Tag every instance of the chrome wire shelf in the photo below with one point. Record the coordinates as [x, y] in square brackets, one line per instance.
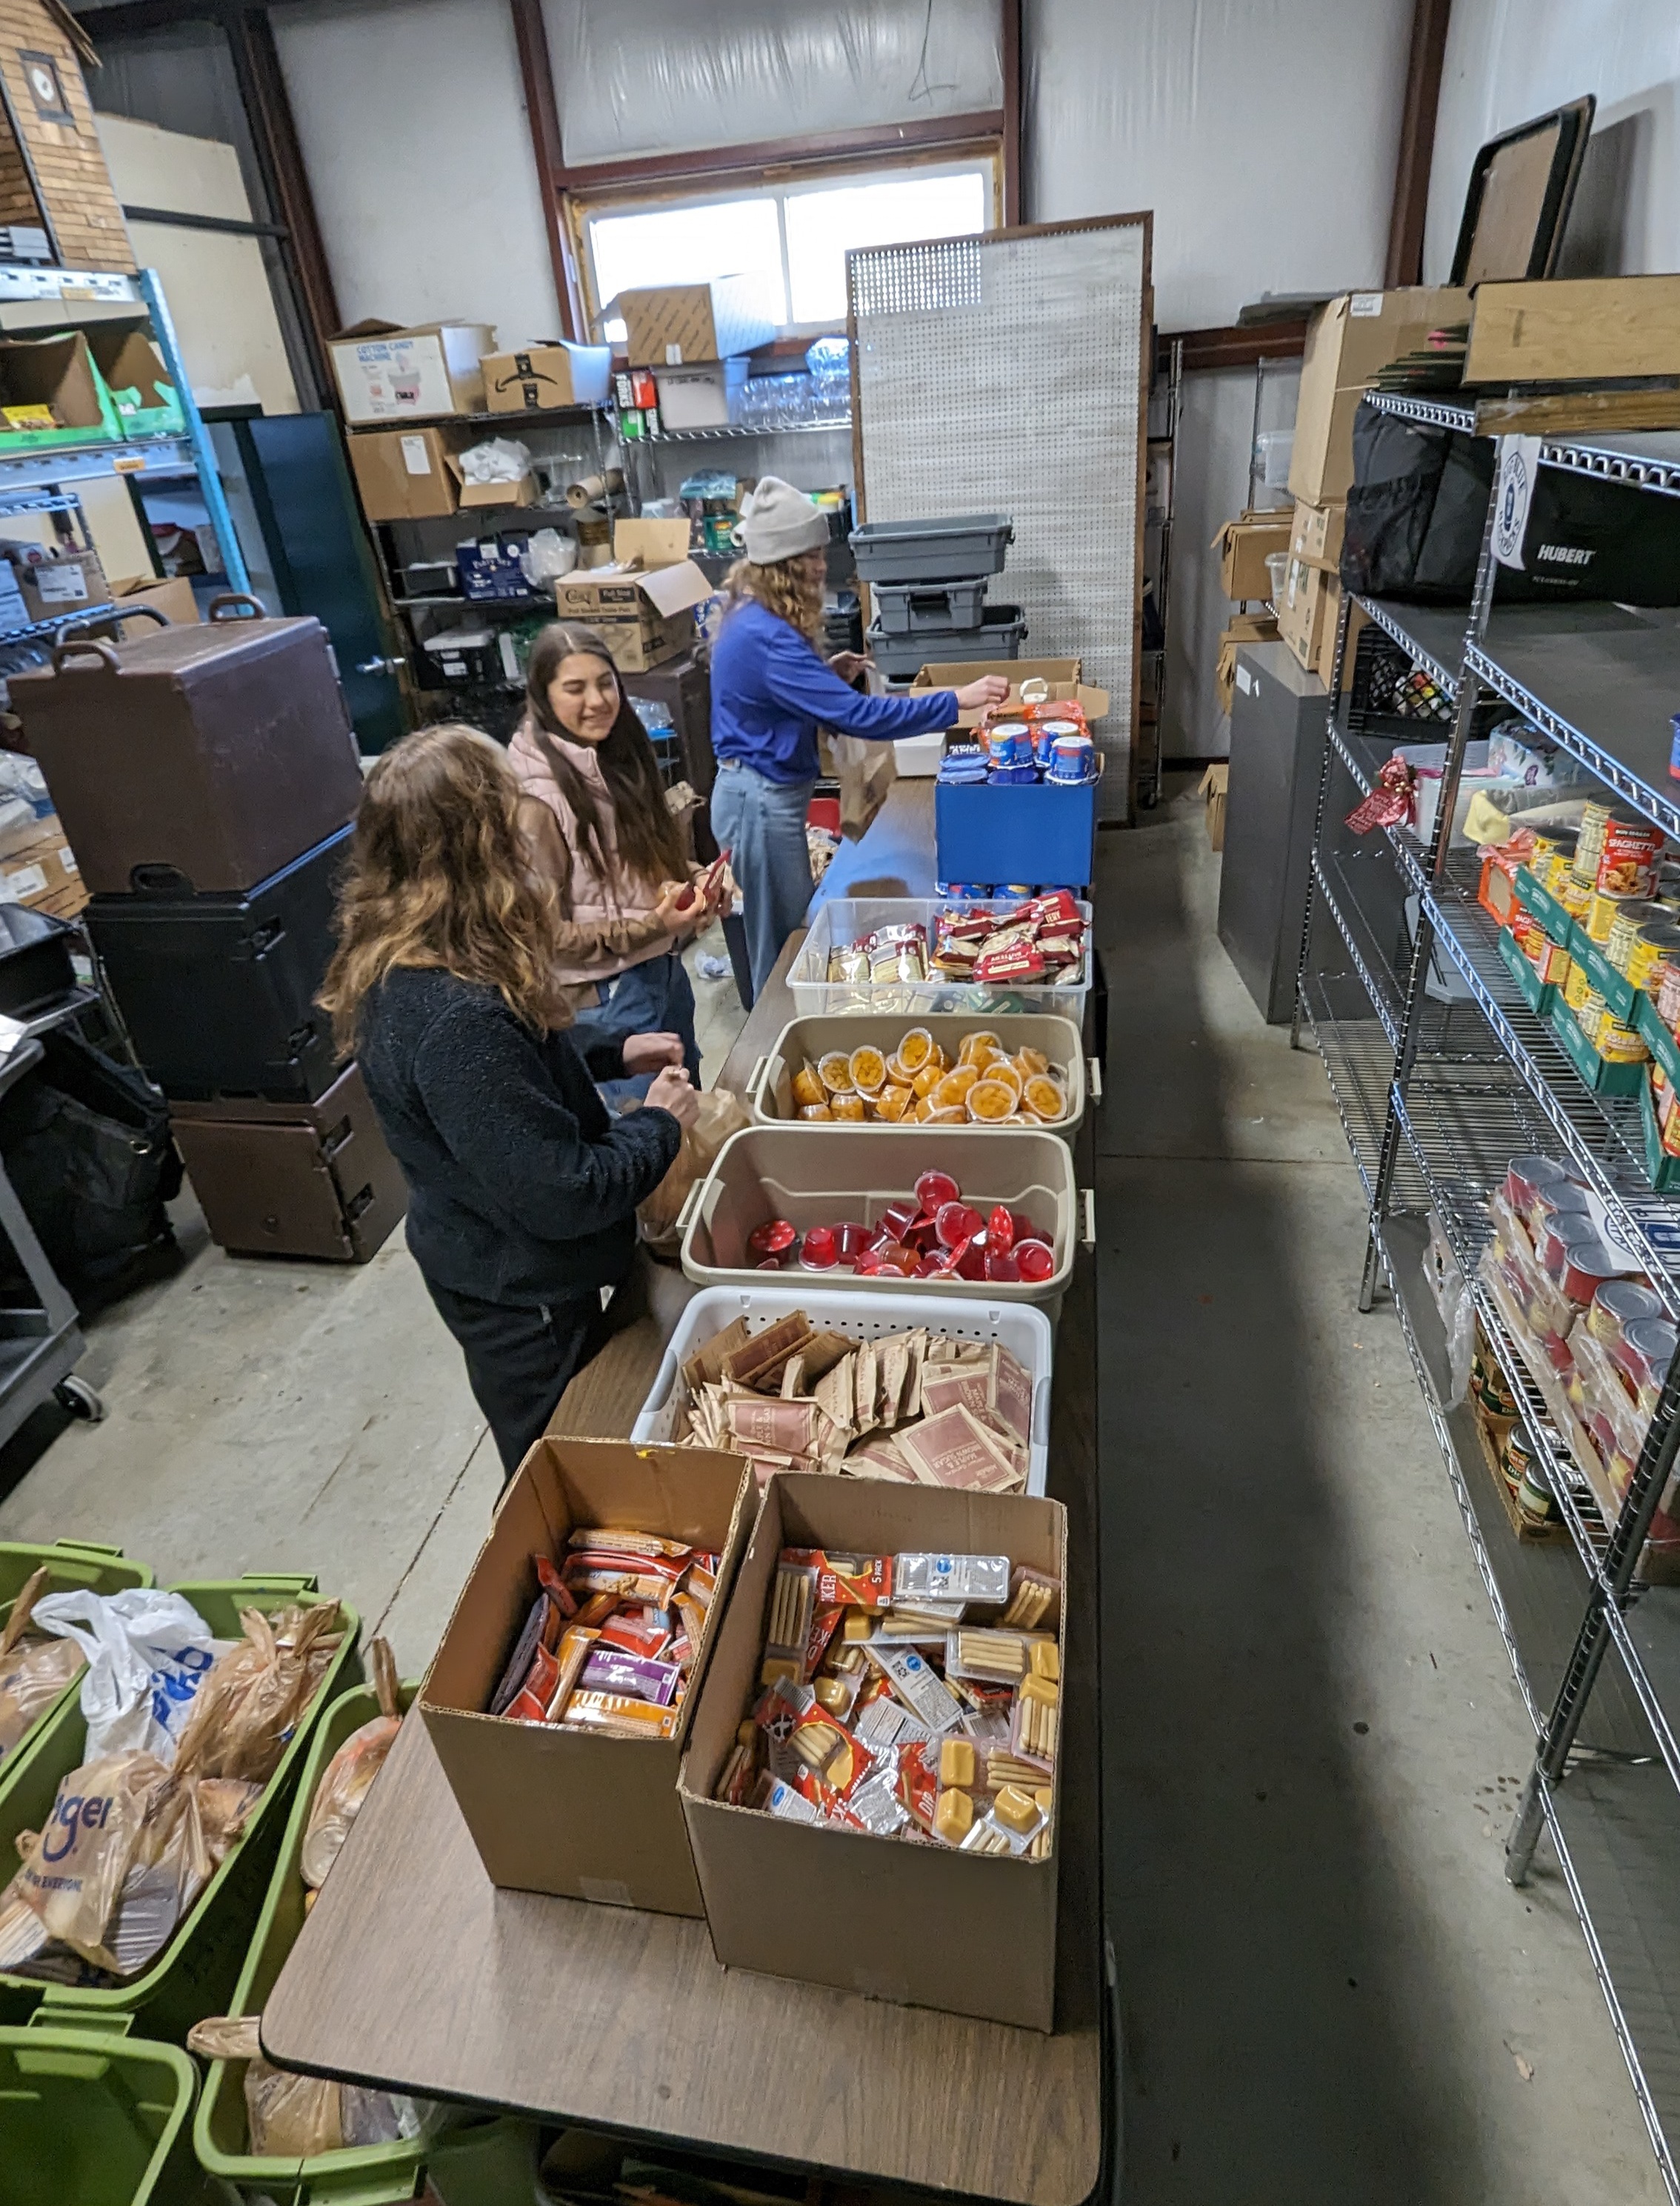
[841, 426]
[1431, 413]
[1643, 462]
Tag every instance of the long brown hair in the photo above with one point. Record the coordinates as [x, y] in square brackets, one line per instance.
[649, 845]
[439, 877]
[786, 587]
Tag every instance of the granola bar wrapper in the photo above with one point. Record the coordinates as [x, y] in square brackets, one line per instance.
[954, 1448]
[769, 1425]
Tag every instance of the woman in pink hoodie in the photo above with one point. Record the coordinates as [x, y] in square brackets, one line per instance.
[593, 809]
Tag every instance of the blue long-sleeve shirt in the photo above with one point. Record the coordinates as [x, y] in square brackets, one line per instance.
[772, 690]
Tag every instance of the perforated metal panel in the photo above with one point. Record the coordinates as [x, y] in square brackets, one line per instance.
[1005, 375]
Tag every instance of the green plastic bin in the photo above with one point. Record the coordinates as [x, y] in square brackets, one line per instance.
[196, 1973]
[75, 1564]
[220, 2137]
[91, 2117]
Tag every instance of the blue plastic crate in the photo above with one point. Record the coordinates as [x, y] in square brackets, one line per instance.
[1039, 832]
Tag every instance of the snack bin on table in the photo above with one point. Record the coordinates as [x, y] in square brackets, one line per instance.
[842, 920]
[369, 2175]
[1025, 1333]
[804, 1040]
[195, 1973]
[920, 1925]
[76, 1566]
[91, 2117]
[823, 1175]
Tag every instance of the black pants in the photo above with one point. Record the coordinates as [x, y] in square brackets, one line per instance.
[521, 1361]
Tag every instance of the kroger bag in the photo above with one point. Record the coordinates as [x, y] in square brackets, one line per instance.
[74, 1875]
[34, 1671]
[147, 1654]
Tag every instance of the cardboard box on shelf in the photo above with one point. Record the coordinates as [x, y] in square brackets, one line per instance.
[1580, 329]
[677, 324]
[39, 869]
[1214, 788]
[643, 602]
[1317, 533]
[523, 492]
[174, 599]
[136, 381]
[542, 376]
[63, 584]
[388, 373]
[1243, 545]
[51, 393]
[1062, 674]
[404, 474]
[1308, 605]
[565, 1811]
[1243, 628]
[921, 1925]
[1347, 343]
[706, 396]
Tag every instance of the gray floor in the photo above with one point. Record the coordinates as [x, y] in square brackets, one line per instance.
[1329, 1992]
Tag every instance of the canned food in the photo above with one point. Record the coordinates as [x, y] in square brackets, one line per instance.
[1533, 1499]
[1589, 842]
[1619, 1044]
[1586, 1264]
[1601, 910]
[1525, 1177]
[1658, 942]
[1668, 993]
[1516, 1460]
[1618, 1304]
[1576, 987]
[1634, 913]
[1550, 842]
[1592, 1015]
[1575, 896]
[1630, 857]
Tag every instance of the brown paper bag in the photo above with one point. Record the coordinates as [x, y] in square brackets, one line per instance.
[721, 1114]
[865, 771]
[34, 1670]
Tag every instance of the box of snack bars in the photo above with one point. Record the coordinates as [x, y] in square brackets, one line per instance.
[871, 1779]
[561, 1697]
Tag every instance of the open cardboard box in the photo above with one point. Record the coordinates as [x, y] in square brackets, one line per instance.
[386, 373]
[922, 1925]
[643, 602]
[1063, 676]
[569, 1812]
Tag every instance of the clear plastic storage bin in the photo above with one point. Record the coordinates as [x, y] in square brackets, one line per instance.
[842, 920]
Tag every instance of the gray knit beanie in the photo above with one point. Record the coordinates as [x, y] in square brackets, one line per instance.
[778, 523]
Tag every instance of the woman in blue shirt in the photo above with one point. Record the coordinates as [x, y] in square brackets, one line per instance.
[771, 690]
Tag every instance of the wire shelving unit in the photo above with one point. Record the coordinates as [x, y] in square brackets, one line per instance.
[1435, 1100]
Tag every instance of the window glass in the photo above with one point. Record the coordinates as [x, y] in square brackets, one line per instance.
[824, 225]
[690, 245]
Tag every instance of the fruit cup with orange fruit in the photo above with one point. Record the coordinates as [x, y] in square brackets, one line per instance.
[917, 1086]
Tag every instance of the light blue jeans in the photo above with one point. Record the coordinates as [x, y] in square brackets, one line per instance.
[762, 824]
[656, 997]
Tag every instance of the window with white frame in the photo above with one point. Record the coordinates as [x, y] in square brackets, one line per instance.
[794, 234]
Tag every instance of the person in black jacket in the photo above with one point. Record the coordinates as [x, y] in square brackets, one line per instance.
[522, 1188]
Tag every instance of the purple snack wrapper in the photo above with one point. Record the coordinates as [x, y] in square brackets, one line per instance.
[614, 1670]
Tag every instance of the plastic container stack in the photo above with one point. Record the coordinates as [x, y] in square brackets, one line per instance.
[928, 580]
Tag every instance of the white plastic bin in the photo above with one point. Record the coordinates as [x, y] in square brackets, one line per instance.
[825, 1175]
[1023, 1331]
[842, 920]
[802, 1041]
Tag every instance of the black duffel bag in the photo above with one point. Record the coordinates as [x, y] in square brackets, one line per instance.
[1419, 504]
[87, 1146]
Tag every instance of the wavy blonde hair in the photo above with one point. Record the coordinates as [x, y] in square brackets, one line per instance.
[787, 587]
[439, 877]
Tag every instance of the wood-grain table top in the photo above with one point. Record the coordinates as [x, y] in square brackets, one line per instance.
[414, 1971]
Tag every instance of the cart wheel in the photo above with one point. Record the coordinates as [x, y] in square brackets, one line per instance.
[78, 1398]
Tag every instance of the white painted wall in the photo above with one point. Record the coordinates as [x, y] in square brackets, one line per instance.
[1263, 134]
[1508, 60]
[411, 117]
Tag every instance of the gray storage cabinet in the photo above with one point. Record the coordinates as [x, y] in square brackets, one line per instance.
[1276, 745]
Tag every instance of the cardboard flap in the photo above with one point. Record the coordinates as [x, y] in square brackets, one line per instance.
[372, 327]
[676, 589]
[652, 543]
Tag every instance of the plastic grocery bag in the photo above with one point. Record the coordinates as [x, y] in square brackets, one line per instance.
[34, 1671]
[721, 1114]
[147, 1652]
[296, 2116]
[253, 1697]
[348, 1777]
[74, 1875]
[170, 1866]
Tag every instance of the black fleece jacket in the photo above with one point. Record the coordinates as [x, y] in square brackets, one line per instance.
[522, 1190]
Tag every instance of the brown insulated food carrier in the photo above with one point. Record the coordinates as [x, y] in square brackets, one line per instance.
[203, 757]
[285, 1179]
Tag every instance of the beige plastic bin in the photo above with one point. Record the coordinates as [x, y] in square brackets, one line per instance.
[769, 1090]
[825, 1175]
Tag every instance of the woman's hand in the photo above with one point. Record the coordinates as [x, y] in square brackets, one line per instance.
[672, 1092]
[677, 918]
[849, 665]
[990, 689]
[649, 1053]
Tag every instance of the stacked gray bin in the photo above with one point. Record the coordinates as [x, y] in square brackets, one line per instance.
[928, 580]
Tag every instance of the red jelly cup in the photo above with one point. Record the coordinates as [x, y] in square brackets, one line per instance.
[934, 1189]
[928, 1266]
[1035, 1260]
[971, 1264]
[897, 1220]
[1003, 1268]
[853, 1238]
[820, 1251]
[1000, 1232]
[772, 1238]
[1024, 1228]
[956, 1223]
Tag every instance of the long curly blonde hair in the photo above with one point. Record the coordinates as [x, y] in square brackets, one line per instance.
[790, 588]
[440, 876]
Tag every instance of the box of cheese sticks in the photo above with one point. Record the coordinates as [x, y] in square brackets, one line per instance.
[871, 1784]
[562, 1696]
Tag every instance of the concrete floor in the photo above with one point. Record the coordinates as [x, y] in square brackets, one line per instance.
[1329, 1993]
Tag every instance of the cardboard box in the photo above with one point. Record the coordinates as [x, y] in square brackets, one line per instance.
[569, 1812]
[1586, 331]
[1062, 674]
[704, 397]
[521, 492]
[1308, 605]
[404, 474]
[1243, 628]
[64, 584]
[41, 870]
[174, 599]
[921, 1925]
[1347, 342]
[546, 375]
[136, 381]
[679, 323]
[386, 373]
[1243, 545]
[58, 373]
[643, 602]
[1316, 534]
[1215, 787]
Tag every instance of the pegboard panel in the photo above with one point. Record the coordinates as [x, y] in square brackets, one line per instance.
[1006, 374]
